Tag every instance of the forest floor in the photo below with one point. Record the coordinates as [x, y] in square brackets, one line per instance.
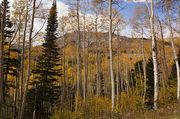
[169, 111]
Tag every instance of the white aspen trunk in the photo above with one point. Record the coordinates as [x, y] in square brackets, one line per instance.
[22, 57]
[78, 59]
[97, 58]
[175, 56]
[84, 61]
[21, 116]
[154, 54]
[111, 56]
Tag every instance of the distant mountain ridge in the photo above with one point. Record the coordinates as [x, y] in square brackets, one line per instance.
[72, 37]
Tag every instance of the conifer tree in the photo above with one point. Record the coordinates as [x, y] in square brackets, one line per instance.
[150, 83]
[45, 91]
[10, 63]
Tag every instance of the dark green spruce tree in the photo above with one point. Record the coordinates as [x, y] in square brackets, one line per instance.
[11, 62]
[150, 84]
[150, 81]
[45, 89]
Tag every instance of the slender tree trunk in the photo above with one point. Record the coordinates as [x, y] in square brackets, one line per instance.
[163, 48]
[23, 55]
[144, 66]
[17, 82]
[118, 70]
[64, 97]
[74, 87]
[87, 65]
[16, 104]
[78, 59]
[111, 56]
[154, 55]
[127, 80]
[97, 58]
[84, 61]
[29, 63]
[164, 61]
[175, 56]
[117, 77]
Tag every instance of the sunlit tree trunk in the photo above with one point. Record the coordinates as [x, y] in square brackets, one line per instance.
[16, 106]
[78, 58]
[111, 57]
[23, 54]
[175, 55]
[154, 54]
[84, 60]
[21, 116]
[17, 83]
[97, 56]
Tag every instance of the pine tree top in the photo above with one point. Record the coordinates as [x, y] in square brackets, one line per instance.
[52, 24]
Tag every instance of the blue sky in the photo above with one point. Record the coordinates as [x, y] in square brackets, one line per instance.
[129, 9]
[127, 12]
[62, 7]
